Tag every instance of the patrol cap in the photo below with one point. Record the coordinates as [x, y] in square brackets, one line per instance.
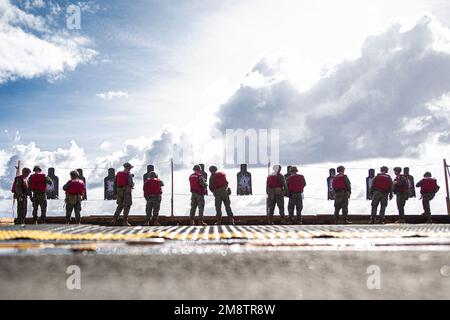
[74, 174]
[384, 169]
[397, 169]
[427, 174]
[127, 165]
[197, 168]
[37, 168]
[340, 168]
[212, 168]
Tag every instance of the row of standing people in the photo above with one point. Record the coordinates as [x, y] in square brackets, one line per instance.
[277, 188]
[382, 190]
[152, 189]
[34, 186]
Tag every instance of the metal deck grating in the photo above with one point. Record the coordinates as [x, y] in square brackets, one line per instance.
[218, 233]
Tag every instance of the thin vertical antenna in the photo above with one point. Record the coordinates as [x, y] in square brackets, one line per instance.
[446, 174]
[171, 200]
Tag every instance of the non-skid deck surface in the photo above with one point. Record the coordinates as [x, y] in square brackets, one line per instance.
[55, 232]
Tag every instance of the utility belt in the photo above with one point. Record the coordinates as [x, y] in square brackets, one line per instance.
[273, 192]
[73, 199]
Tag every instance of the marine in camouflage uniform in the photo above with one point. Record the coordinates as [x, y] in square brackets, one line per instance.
[295, 198]
[73, 200]
[400, 188]
[380, 191]
[427, 194]
[39, 197]
[412, 190]
[198, 190]
[124, 195]
[276, 189]
[21, 193]
[221, 195]
[153, 204]
[342, 190]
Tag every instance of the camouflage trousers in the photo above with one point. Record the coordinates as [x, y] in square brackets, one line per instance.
[73, 207]
[381, 198]
[39, 199]
[221, 196]
[22, 205]
[402, 197]
[426, 198]
[152, 207]
[197, 200]
[275, 200]
[124, 202]
[295, 202]
[341, 202]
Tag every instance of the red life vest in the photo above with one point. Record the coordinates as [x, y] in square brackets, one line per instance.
[24, 184]
[274, 182]
[37, 182]
[152, 187]
[194, 181]
[405, 187]
[75, 186]
[220, 180]
[296, 183]
[382, 182]
[339, 182]
[429, 185]
[122, 178]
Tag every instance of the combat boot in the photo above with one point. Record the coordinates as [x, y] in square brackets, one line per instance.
[383, 220]
[232, 222]
[147, 222]
[400, 221]
[77, 221]
[155, 222]
[336, 219]
[192, 222]
[299, 220]
[113, 222]
[35, 220]
[202, 223]
[219, 222]
[67, 221]
[347, 221]
[429, 220]
[43, 220]
[372, 220]
[126, 223]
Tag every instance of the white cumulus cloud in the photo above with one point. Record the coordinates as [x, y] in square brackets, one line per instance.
[377, 105]
[109, 95]
[29, 48]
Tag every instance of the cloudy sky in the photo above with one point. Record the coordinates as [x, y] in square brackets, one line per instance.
[364, 83]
